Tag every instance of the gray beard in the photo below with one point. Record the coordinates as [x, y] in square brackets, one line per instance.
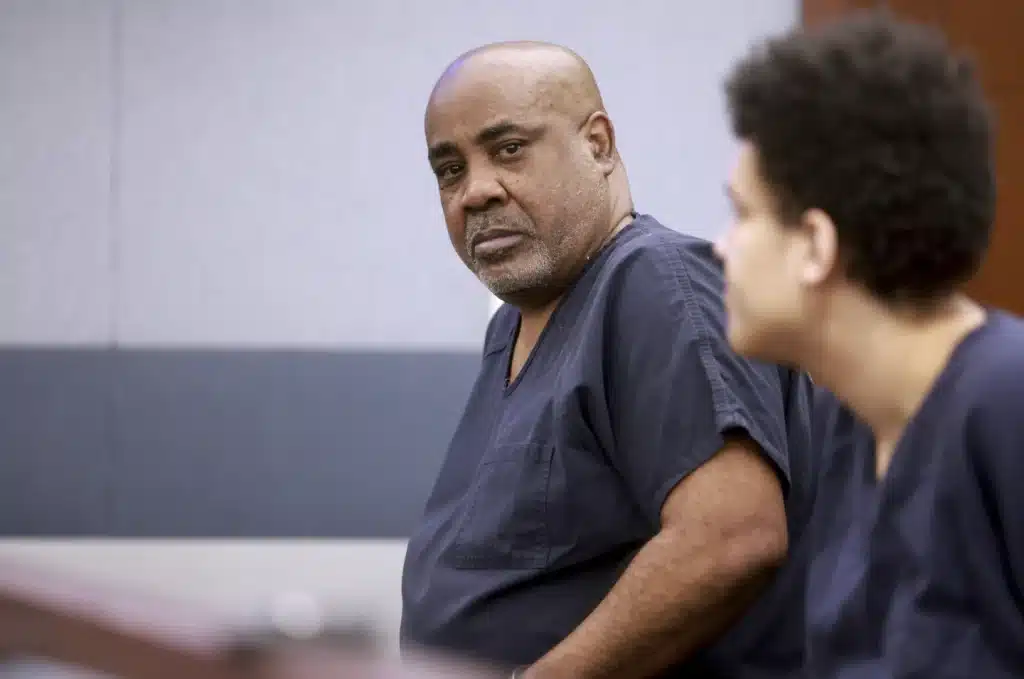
[539, 274]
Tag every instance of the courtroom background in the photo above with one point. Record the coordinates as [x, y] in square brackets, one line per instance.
[232, 327]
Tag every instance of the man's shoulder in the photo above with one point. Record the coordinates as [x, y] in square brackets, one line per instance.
[651, 247]
[975, 410]
[658, 269]
[979, 418]
[1001, 348]
[990, 367]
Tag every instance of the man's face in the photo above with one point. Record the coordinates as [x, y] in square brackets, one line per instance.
[521, 192]
[765, 299]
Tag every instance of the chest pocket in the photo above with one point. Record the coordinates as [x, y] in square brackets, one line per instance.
[504, 521]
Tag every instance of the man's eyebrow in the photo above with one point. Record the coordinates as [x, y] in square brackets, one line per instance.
[443, 149]
[488, 135]
[494, 132]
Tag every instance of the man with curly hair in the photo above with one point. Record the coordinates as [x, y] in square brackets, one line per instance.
[864, 197]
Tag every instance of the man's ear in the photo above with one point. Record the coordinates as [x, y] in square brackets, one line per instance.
[822, 254]
[600, 135]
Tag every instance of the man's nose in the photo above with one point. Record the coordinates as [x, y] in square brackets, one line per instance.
[482, 190]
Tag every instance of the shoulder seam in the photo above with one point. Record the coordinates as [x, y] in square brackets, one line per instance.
[695, 316]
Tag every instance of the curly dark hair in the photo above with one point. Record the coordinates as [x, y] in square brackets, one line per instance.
[878, 123]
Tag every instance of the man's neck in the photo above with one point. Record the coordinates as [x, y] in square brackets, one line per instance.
[883, 363]
[532, 322]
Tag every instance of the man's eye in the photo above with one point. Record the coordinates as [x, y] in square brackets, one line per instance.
[512, 148]
[448, 171]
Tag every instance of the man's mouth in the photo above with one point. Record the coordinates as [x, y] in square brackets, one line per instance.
[496, 242]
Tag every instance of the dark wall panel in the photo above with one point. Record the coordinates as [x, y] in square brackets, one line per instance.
[223, 443]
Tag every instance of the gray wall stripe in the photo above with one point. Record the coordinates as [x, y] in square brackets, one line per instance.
[223, 443]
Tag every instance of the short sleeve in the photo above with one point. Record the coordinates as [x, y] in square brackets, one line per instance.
[676, 387]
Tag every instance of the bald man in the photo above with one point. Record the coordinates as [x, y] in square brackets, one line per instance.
[621, 487]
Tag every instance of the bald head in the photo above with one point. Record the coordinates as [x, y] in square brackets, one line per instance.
[550, 77]
[525, 160]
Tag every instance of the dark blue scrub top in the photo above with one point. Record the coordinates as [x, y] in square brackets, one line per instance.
[553, 482]
[921, 574]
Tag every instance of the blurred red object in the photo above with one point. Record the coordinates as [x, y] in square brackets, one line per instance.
[49, 617]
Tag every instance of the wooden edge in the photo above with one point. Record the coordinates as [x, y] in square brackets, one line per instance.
[54, 617]
[129, 635]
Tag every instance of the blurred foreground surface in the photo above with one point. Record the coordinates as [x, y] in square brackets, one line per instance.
[53, 626]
